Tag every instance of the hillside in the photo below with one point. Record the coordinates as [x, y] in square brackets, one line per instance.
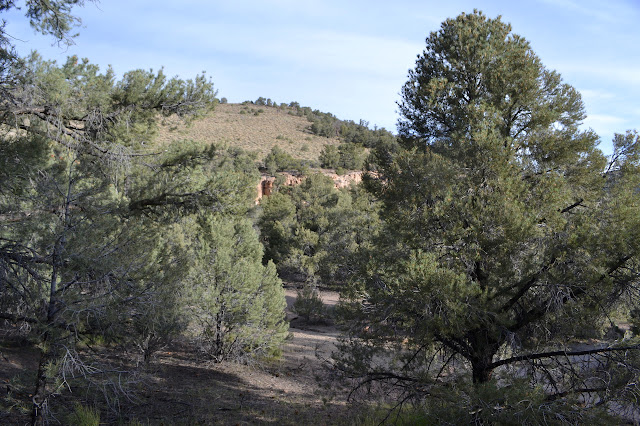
[253, 128]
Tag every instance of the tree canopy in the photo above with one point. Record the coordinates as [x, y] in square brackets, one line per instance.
[102, 232]
[507, 232]
[313, 231]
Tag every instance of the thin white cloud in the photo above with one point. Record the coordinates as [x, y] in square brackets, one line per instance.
[609, 11]
[344, 51]
[606, 126]
[593, 95]
[352, 57]
[611, 72]
[324, 49]
[600, 120]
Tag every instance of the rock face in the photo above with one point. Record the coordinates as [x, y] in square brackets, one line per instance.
[265, 187]
[291, 180]
[342, 181]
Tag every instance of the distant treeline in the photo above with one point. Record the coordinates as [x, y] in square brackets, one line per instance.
[328, 125]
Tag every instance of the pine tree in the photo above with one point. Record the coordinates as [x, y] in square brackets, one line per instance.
[94, 242]
[237, 302]
[77, 243]
[505, 236]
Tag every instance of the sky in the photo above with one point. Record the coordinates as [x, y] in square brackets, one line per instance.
[350, 57]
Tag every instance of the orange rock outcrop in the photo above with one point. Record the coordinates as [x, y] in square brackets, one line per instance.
[265, 187]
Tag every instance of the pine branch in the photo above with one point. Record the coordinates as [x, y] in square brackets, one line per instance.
[552, 354]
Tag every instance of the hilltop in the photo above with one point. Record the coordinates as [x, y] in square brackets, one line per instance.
[256, 128]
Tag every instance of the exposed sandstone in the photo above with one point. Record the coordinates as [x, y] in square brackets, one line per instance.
[265, 187]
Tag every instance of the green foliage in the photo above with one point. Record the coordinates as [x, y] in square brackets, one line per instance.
[309, 305]
[360, 134]
[277, 219]
[504, 232]
[237, 302]
[352, 156]
[53, 18]
[349, 132]
[325, 125]
[315, 229]
[98, 235]
[261, 101]
[123, 113]
[191, 177]
[347, 156]
[330, 157]
[279, 160]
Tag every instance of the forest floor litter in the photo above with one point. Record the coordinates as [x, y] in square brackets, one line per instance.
[181, 388]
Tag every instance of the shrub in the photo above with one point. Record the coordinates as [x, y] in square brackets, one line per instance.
[308, 304]
[237, 302]
[352, 156]
[347, 156]
[279, 160]
[329, 157]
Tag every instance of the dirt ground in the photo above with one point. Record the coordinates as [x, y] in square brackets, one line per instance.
[281, 392]
[180, 389]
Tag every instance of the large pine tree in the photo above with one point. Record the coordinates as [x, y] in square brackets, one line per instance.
[507, 235]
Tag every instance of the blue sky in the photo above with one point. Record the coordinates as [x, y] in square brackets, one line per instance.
[351, 57]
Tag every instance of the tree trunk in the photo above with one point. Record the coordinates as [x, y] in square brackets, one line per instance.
[481, 370]
[219, 343]
[484, 349]
[40, 397]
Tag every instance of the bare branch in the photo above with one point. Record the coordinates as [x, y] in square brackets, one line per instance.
[530, 357]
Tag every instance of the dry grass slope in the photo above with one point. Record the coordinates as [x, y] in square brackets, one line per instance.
[252, 128]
